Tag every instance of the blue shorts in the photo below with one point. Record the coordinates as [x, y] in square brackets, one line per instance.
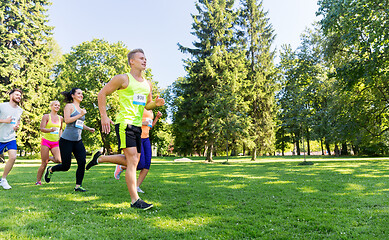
[145, 155]
[7, 146]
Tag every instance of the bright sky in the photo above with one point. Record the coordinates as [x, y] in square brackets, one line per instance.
[157, 26]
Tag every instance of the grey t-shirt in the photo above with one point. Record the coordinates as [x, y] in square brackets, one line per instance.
[7, 132]
[73, 130]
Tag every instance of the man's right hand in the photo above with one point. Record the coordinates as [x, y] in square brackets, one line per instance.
[106, 124]
[8, 120]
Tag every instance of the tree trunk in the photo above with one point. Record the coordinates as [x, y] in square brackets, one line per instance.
[344, 150]
[328, 147]
[298, 148]
[209, 152]
[336, 150]
[308, 144]
[321, 145]
[254, 154]
[244, 149]
[355, 149]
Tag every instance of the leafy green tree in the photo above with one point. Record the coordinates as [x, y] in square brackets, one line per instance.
[209, 104]
[358, 46]
[26, 61]
[89, 66]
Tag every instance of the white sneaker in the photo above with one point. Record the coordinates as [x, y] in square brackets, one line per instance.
[139, 190]
[4, 184]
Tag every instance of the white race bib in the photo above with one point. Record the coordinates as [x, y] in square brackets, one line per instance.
[149, 122]
[79, 124]
[55, 132]
[139, 99]
[13, 121]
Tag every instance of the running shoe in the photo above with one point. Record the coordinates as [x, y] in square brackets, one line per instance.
[118, 171]
[5, 185]
[80, 189]
[48, 174]
[139, 190]
[140, 204]
[94, 160]
[38, 183]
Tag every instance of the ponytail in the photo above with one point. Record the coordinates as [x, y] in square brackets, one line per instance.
[68, 95]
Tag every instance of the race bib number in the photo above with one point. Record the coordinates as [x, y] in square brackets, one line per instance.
[55, 132]
[13, 121]
[79, 124]
[149, 122]
[139, 99]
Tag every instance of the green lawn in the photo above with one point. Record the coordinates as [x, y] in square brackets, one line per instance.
[241, 200]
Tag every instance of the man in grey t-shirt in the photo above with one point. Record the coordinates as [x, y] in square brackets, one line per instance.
[10, 113]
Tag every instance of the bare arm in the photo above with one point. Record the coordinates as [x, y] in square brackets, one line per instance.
[159, 114]
[61, 127]
[85, 127]
[68, 111]
[7, 120]
[117, 82]
[44, 121]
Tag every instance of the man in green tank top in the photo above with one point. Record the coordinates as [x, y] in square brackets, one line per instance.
[135, 94]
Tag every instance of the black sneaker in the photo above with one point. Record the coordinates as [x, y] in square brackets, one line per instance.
[94, 160]
[48, 174]
[141, 204]
[80, 189]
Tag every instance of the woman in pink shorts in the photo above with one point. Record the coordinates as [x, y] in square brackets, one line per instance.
[51, 126]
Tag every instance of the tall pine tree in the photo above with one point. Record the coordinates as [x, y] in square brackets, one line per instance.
[258, 36]
[211, 107]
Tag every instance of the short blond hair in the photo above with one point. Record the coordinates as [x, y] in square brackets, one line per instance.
[132, 53]
[52, 102]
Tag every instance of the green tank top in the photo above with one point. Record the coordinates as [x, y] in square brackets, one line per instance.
[132, 101]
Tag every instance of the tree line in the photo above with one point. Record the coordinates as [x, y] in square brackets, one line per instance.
[332, 89]
[235, 97]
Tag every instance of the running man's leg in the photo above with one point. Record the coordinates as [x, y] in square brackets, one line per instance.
[10, 163]
[119, 159]
[145, 160]
[132, 157]
[97, 158]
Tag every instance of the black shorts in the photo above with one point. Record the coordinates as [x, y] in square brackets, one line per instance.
[128, 136]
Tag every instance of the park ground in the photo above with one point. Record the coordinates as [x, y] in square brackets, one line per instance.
[270, 198]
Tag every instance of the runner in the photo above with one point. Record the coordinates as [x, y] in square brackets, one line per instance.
[70, 141]
[134, 95]
[51, 126]
[148, 122]
[10, 113]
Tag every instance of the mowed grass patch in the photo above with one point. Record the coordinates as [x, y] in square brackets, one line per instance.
[240, 200]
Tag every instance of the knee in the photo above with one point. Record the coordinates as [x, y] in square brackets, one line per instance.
[65, 167]
[82, 164]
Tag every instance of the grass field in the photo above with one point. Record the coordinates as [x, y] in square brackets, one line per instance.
[265, 199]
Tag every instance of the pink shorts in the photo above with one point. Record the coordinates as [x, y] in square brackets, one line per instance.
[49, 144]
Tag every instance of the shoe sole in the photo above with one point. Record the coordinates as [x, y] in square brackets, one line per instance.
[88, 166]
[47, 174]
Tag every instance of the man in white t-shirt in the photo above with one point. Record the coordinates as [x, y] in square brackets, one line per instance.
[10, 113]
